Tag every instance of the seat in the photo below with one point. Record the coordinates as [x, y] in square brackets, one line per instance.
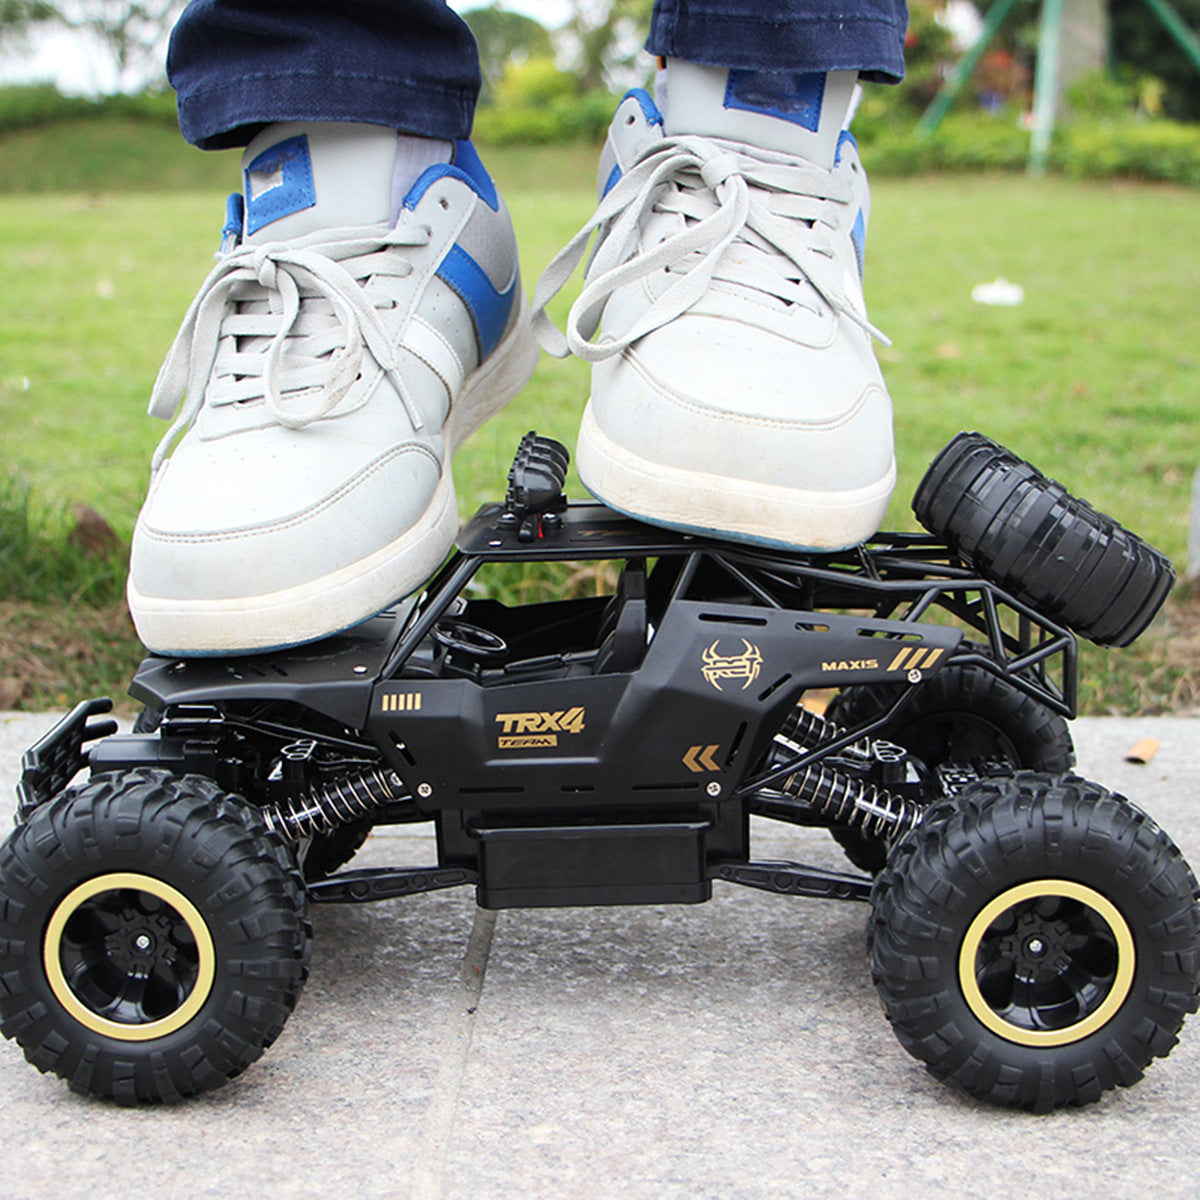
[624, 630]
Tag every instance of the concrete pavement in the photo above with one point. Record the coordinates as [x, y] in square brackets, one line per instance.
[733, 1049]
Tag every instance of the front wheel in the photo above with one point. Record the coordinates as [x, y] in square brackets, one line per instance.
[1057, 936]
[153, 936]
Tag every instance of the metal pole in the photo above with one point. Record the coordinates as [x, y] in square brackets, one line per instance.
[1188, 42]
[1045, 85]
[961, 75]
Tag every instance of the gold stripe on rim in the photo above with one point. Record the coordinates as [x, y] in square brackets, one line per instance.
[207, 967]
[1117, 993]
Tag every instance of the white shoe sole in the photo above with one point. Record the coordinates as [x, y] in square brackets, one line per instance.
[721, 506]
[293, 616]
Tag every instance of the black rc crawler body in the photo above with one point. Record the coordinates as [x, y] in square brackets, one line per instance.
[1035, 939]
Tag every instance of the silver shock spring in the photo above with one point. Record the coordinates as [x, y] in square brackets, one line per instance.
[839, 797]
[323, 809]
[848, 801]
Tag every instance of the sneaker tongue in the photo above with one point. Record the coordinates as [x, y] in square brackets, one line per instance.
[300, 178]
[786, 111]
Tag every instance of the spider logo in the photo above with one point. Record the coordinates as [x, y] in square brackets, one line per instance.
[719, 667]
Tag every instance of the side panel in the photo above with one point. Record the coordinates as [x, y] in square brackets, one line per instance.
[685, 728]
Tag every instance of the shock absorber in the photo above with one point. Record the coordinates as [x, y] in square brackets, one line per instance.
[842, 799]
[322, 809]
[836, 795]
[809, 730]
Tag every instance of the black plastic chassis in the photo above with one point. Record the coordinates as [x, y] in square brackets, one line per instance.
[601, 750]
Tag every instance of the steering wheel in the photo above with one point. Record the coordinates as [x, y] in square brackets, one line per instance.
[471, 641]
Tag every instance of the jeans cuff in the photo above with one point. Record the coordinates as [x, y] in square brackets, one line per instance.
[764, 40]
[231, 113]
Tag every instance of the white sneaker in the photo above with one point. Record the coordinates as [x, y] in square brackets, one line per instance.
[734, 389]
[344, 346]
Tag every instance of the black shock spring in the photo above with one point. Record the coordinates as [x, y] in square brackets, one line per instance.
[322, 809]
[808, 729]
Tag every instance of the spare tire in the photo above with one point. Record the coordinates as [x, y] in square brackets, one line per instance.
[1030, 536]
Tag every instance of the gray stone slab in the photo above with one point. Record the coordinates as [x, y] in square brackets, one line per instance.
[731, 1049]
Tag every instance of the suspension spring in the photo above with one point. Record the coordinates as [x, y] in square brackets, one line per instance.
[322, 809]
[844, 800]
[837, 796]
[809, 730]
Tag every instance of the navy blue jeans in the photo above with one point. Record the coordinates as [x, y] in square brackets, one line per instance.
[238, 65]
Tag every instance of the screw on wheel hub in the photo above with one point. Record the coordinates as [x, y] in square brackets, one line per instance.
[1047, 963]
[1037, 945]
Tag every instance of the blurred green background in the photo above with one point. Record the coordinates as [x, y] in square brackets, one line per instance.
[108, 223]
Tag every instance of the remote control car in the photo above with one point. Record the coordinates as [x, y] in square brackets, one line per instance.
[1035, 938]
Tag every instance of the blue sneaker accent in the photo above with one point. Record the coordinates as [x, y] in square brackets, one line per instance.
[284, 184]
[788, 95]
[649, 108]
[845, 138]
[653, 118]
[489, 308]
[467, 160]
[466, 166]
[858, 235]
[235, 221]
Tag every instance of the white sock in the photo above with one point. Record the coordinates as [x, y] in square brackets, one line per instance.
[415, 155]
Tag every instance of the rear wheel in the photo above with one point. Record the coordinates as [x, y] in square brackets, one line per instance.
[1058, 938]
[153, 936]
[964, 715]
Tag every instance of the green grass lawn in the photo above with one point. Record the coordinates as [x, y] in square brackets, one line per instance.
[1093, 378]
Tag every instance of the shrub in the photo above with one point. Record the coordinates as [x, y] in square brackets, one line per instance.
[563, 118]
[975, 142]
[502, 126]
[157, 106]
[1159, 150]
[533, 83]
[1099, 95]
[1127, 147]
[26, 106]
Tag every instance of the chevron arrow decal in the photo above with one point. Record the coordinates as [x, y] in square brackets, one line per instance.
[699, 758]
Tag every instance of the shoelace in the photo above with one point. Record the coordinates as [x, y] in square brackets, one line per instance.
[302, 277]
[777, 209]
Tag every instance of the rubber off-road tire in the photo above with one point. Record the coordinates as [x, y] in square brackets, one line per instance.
[147, 721]
[1030, 536]
[962, 715]
[1036, 943]
[153, 936]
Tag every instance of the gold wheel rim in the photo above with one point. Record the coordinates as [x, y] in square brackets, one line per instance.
[1118, 990]
[184, 909]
